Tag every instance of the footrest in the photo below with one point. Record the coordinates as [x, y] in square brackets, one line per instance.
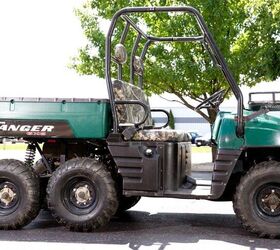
[189, 183]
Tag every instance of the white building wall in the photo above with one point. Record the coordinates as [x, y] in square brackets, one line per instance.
[186, 119]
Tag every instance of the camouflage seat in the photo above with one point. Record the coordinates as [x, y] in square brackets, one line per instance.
[129, 114]
[160, 135]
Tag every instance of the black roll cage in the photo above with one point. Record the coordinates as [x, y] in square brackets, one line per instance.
[206, 38]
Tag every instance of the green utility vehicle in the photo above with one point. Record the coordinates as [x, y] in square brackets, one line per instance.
[98, 157]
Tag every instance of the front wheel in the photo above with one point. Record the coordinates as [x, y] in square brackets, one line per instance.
[257, 199]
[81, 194]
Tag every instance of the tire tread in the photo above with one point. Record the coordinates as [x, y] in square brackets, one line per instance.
[258, 170]
[96, 168]
[31, 181]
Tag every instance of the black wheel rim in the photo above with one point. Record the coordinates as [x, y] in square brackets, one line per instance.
[9, 196]
[80, 195]
[267, 202]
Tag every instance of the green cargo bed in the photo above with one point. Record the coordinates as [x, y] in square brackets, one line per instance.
[54, 118]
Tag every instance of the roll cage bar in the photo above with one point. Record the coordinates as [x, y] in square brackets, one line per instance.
[206, 38]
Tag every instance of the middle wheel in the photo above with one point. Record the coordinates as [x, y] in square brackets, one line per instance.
[81, 194]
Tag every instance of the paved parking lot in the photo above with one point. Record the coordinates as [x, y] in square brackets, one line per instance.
[151, 224]
[154, 223]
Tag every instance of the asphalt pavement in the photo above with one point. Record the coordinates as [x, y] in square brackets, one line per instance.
[151, 224]
[154, 223]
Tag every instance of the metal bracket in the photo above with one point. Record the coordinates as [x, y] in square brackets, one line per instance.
[256, 114]
[47, 165]
[129, 132]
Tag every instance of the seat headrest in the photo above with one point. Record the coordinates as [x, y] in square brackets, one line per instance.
[120, 53]
[138, 65]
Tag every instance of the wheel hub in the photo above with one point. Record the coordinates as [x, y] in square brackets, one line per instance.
[7, 195]
[82, 195]
[270, 200]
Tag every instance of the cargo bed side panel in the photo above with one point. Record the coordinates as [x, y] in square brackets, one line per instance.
[69, 118]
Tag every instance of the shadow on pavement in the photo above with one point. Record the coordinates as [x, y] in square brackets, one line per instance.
[137, 229]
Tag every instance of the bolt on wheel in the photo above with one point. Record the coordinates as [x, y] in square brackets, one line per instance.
[267, 199]
[9, 196]
[80, 195]
[19, 194]
[257, 199]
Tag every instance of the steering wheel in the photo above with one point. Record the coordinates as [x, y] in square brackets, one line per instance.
[212, 101]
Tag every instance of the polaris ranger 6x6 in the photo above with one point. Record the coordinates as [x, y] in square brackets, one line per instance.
[98, 157]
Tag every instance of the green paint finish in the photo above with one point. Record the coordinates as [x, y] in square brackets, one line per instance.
[217, 124]
[262, 131]
[224, 132]
[86, 119]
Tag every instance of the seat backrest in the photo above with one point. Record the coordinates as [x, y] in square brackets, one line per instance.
[130, 113]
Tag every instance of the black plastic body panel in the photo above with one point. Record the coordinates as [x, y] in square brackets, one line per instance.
[224, 164]
[139, 172]
[176, 164]
[151, 174]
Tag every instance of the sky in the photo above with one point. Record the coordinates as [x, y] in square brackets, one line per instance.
[37, 40]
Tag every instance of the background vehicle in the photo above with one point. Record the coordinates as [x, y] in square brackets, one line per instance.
[100, 156]
[194, 135]
[204, 140]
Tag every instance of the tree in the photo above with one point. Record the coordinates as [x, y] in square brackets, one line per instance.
[246, 31]
[171, 120]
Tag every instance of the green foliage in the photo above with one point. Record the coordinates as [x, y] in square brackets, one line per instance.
[258, 45]
[246, 31]
[171, 120]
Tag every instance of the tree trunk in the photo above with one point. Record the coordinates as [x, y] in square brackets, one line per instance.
[212, 115]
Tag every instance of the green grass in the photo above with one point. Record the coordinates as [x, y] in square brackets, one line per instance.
[16, 146]
[203, 149]
[22, 146]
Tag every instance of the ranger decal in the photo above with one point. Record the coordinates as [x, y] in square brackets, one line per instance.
[35, 128]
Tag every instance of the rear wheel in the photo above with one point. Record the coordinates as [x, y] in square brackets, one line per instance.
[19, 194]
[127, 202]
[257, 199]
[81, 194]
